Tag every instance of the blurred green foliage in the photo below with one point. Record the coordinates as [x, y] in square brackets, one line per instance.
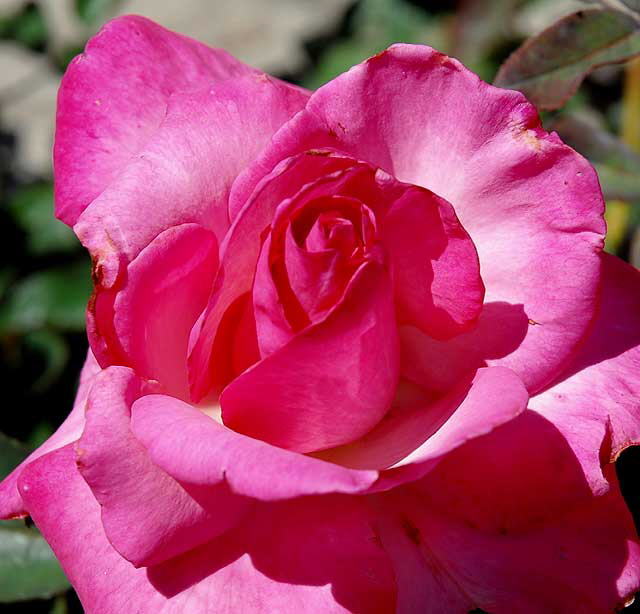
[376, 24]
[551, 66]
[617, 164]
[53, 298]
[44, 287]
[32, 208]
[12, 453]
[92, 11]
[26, 26]
[28, 567]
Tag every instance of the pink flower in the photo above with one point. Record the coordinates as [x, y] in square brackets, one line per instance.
[355, 351]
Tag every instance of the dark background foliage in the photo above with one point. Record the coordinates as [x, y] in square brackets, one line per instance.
[44, 272]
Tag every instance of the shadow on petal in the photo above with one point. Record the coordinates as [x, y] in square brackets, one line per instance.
[508, 523]
[439, 365]
[311, 541]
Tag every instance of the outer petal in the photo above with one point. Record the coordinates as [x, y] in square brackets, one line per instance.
[114, 97]
[595, 403]
[531, 205]
[508, 524]
[332, 382]
[198, 451]
[185, 170]
[167, 287]
[11, 504]
[326, 542]
[146, 515]
[311, 555]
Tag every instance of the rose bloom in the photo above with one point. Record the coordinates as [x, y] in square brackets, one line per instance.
[352, 351]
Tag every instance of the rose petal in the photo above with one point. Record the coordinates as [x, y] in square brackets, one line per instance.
[317, 277]
[167, 287]
[436, 269]
[125, 481]
[595, 402]
[332, 382]
[273, 331]
[508, 523]
[289, 280]
[409, 442]
[531, 205]
[317, 555]
[114, 97]
[196, 450]
[208, 356]
[303, 179]
[11, 505]
[435, 266]
[172, 181]
[325, 542]
[438, 364]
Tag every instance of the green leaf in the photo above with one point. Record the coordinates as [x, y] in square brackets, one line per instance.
[55, 298]
[91, 11]
[26, 26]
[28, 567]
[632, 5]
[634, 252]
[12, 453]
[32, 208]
[618, 184]
[549, 67]
[60, 605]
[377, 24]
[6, 277]
[65, 54]
[39, 434]
[617, 215]
[53, 347]
[480, 27]
[618, 166]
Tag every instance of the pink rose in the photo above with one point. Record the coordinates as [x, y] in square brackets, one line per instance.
[355, 351]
